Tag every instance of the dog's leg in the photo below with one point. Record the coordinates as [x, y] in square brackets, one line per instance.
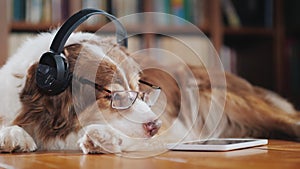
[99, 138]
[16, 139]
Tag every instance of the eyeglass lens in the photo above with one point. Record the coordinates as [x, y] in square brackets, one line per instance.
[123, 99]
[151, 96]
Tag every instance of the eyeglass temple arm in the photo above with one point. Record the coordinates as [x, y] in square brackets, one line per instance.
[149, 84]
[99, 87]
[88, 82]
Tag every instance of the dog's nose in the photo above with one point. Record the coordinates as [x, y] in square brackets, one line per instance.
[152, 127]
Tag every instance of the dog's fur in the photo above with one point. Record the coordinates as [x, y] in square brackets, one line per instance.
[81, 118]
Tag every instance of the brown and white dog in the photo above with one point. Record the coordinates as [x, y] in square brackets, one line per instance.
[75, 119]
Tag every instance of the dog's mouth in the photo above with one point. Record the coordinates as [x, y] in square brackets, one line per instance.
[152, 127]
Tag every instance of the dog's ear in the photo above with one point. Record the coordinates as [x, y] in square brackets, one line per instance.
[84, 63]
[30, 87]
[72, 52]
[50, 113]
[43, 109]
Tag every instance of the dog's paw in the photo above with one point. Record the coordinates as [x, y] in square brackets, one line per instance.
[16, 139]
[100, 139]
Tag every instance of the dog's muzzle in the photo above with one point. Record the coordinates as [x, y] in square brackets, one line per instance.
[152, 127]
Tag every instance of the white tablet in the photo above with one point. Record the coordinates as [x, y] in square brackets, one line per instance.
[219, 144]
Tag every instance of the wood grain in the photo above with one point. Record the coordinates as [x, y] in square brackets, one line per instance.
[278, 154]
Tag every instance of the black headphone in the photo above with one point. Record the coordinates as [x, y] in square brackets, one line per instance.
[52, 74]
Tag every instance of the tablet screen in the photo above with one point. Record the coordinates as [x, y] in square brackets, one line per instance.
[219, 142]
[222, 144]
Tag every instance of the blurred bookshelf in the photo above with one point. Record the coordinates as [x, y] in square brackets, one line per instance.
[252, 33]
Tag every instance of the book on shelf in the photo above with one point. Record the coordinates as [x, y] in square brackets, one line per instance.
[18, 10]
[269, 7]
[162, 6]
[33, 11]
[99, 4]
[178, 9]
[250, 13]
[47, 11]
[233, 18]
[122, 8]
[55, 11]
[39, 11]
[293, 55]
[56, 14]
[118, 8]
[190, 10]
[292, 13]
[228, 58]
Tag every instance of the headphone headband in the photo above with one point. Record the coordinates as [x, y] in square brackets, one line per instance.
[74, 21]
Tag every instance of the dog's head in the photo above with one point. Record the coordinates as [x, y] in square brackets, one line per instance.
[104, 90]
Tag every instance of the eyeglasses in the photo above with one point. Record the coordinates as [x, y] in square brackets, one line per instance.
[125, 99]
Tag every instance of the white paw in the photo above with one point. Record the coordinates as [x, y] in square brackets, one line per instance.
[16, 139]
[100, 139]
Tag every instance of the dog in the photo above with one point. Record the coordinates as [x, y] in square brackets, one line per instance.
[87, 115]
[39, 121]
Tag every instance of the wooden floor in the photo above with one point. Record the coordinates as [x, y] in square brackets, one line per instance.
[278, 154]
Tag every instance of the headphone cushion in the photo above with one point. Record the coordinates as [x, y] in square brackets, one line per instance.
[52, 74]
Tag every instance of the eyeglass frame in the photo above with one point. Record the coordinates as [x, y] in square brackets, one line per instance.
[102, 88]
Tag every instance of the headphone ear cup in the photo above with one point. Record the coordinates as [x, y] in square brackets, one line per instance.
[52, 74]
